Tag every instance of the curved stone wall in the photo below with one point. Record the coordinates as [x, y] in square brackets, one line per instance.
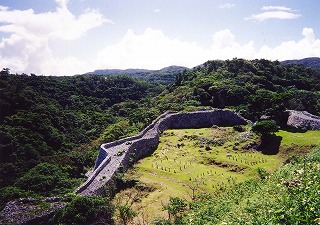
[303, 120]
[123, 152]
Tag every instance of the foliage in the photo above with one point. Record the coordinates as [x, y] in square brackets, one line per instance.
[176, 208]
[46, 179]
[10, 193]
[51, 127]
[183, 167]
[289, 196]
[57, 119]
[85, 210]
[164, 76]
[252, 87]
[312, 62]
[265, 127]
[125, 213]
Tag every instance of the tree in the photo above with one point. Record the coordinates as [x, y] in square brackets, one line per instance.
[46, 179]
[126, 214]
[86, 210]
[270, 143]
[265, 127]
[5, 72]
[175, 208]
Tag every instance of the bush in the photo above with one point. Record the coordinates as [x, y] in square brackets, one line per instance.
[46, 179]
[265, 127]
[10, 193]
[85, 210]
[238, 128]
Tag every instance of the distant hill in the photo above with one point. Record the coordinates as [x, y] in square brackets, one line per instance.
[251, 87]
[164, 76]
[312, 62]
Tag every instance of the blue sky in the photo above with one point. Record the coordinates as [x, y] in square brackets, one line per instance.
[66, 37]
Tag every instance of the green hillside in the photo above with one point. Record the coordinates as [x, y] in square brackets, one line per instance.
[61, 121]
[51, 127]
[165, 76]
[312, 62]
[253, 88]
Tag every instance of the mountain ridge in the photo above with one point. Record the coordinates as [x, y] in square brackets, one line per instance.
[163, 76]
[312, 62]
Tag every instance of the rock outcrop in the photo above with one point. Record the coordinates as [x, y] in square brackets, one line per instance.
[122, 153]
[303, 120]
[31, 211]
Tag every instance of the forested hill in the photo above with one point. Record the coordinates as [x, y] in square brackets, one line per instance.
[47, 119]
[56, 124]
[253, 88]
[164, 76]
[312, 62]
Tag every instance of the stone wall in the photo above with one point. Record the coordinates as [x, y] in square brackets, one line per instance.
[303, 120]
[123, 152]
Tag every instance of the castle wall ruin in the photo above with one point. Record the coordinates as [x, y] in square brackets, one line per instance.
[122, 153]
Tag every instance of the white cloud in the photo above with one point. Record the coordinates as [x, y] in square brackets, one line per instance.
[225, 46]
[281, 8]
[156, 10]
[154, 50]
[273, 15]
[227, 6]
[62, 3]
[275, 12]
[3, 8]
[309, 46]
[27, 48]
[150, 50]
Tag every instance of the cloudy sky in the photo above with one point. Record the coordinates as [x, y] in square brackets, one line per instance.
[66, 37]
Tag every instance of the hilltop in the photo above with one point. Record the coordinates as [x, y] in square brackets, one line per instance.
[312, 62]
[252, 87]
[163, 76]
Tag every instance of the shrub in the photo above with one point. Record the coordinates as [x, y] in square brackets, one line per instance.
[265, 127]
[85, 210]
[11, 193]
[238, 128]
[46, 179]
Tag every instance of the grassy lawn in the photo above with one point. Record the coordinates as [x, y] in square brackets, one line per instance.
[188, 162]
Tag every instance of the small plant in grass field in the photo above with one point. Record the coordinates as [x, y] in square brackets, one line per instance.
[263, 174]
[238, 128]
[176, 208]
[125, 213]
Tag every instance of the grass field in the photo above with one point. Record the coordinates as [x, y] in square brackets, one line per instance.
[188, 162]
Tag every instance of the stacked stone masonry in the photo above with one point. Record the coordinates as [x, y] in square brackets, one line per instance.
[121, 153]
[303, 120]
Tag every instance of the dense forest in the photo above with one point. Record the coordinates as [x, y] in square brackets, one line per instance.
[56, 124]
[164, 76]
[312, 62]
[253, 88]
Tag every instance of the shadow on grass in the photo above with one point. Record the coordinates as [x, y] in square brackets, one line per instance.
[293, 129]
[270, 144]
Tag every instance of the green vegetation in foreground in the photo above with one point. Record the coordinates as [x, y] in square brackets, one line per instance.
[191, 162]
[289, 196]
